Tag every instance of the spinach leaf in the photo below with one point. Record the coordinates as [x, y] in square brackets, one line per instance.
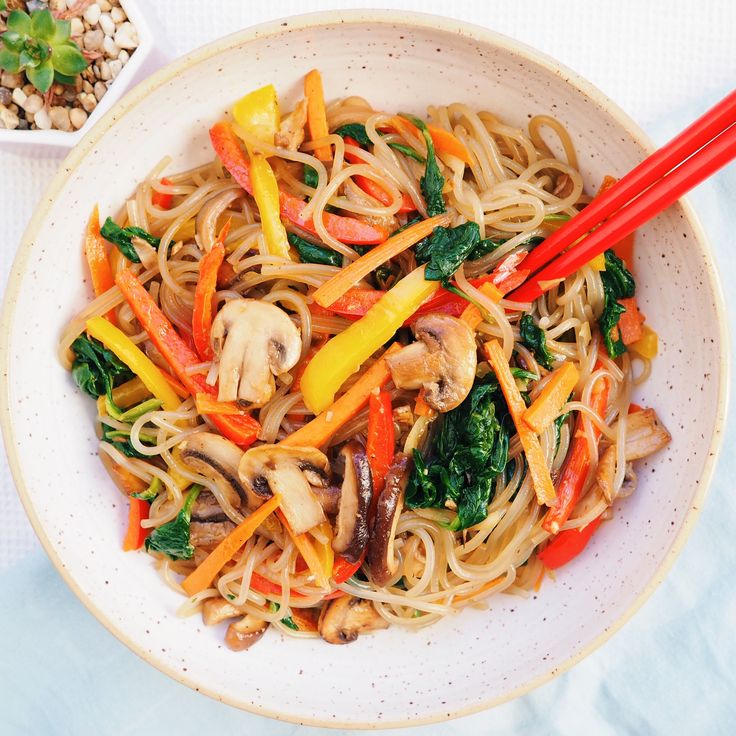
[120, 440]
[311, 177]
[469, 453]
[311, 253]
[122, 237]
[287, 621]
[408, 151]
[446, 249]
[484, 247]
[96, 370]
[172, 538]
[432, 182]
[151, 492]
[356, 131]
[618, 283]
[535, 339]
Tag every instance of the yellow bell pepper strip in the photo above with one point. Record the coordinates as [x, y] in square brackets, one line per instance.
[598, 263]
[346, 352]
[120, 344]
[345, 229]
[647, 345]
[547, 406]
[266, 194]
[319, 431]
[316, 114]
[341, 282]
[258, 113]
[203, 575]
[541, 479]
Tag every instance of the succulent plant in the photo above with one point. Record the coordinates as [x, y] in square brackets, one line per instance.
[41, 47]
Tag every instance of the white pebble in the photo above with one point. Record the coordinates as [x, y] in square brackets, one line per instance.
[124, 56]
[118, 15]
[107, 24]
[88, 101]
[78, 117]
[92, 14]
[8, 119]
[11, 81]
[33, 104]
[93, 39]
[58, 6]
[100, 89]
[105, 73]
[116, 66]
[110, 48]
[77, 27]
[60, 118]
[126, 36]
[42, 119]
[19, 96]
[105, 6]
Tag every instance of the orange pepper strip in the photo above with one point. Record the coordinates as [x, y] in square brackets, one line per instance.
[316, 113]
[95, 249]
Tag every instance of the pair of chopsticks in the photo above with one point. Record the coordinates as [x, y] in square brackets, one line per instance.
[657, 182]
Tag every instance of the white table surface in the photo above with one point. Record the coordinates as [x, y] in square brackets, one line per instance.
[673, 668]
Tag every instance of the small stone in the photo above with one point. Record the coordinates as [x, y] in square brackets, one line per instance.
[19, 96]
[69, 94]
[29, 89]
[88, 102]
[33, 104]
[11, 81]
[8, 119]
[78, 117]
[23, 124]
[110, 48]
[77, 27]
[126, 36]
[87, 86]
[100, 89]
[105, 72]
[5, 96]
[124, 56]
[29, 117]
[93, 39]
[42, 119]
[105, 6]
[116, 66]
[60, 118]
[107, 24]
[13, 108]
[58, 6]
[92, 14]
[32, 5]
[118, 15]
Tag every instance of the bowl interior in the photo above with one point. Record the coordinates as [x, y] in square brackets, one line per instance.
[467, 661]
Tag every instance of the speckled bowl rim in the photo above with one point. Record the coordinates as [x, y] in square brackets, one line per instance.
[275, 28]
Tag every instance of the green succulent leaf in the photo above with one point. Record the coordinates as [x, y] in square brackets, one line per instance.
[9, 60]
[3, 5]
[28, 60]
[19, 22]
[62, 32]
[67, 59]
[42, 25]
[42, 76]
[12, 41]
[64, 78]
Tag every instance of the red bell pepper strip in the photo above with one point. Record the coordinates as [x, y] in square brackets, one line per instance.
[136, 534]
[204, 295]
[162, 200]
[567, 545]
[242, 430]
[371, 187]
[342, 570]
[381, 439]
[575, 472]
[344, 229]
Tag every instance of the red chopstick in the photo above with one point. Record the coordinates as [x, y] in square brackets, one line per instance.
[709, 143]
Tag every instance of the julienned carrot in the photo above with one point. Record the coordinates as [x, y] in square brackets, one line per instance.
[421, 407]
[204, 295]
[335, 287]
[242, 430]
[136, 534]
[179, 388]
[630, 322]
[95, 249]
[444, 141]
[547, 406]
[471, 315]
[319, 565]
[575, 471]
[316, 113]
[162, 200]
[567, 545]
[203, 575]
[317, 432]
[538, 469]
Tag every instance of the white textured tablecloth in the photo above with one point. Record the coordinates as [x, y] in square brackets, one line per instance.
[671, 670]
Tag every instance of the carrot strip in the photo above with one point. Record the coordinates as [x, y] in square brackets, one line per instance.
[538, 469]
[203, 575]
[178, 387]
[95, 249]
[207, 404]
[162, 200]
[316, 113]
[317, 432]
[307, 550]
[136, 534]
[421, 407]
[547, 406]
[471, 314]
[444, 141]
[335, 287]
[630, 322]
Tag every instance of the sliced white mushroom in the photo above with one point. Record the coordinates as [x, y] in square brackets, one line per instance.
[291, 472]
[253, 342]
[217, 610]
[605, 472]
[645, 434]
[344, 619]
[442, 360]
[291, 131]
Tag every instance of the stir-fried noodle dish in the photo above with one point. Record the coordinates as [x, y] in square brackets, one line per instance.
[315, 385]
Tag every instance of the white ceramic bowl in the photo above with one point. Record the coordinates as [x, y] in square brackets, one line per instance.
[467, 662]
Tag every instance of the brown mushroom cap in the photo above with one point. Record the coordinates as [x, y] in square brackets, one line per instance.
[290, 472]
[443, 361]
[253, 341]
[245, 633]
[351, 525]
[382, 562]
[342, 620]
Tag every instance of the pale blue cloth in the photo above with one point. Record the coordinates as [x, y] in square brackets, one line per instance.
[671, 670]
